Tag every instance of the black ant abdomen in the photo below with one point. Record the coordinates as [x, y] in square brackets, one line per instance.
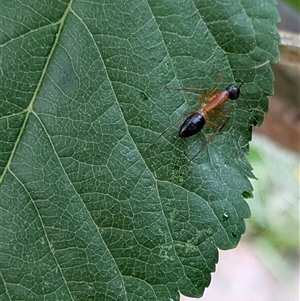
[192, 125]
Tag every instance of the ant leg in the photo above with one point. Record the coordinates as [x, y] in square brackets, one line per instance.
[213, 91]
[202, 98]
[192, 89]
[211, 123]
[208, 97]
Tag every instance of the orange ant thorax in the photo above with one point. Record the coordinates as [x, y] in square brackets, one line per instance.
[215, 101]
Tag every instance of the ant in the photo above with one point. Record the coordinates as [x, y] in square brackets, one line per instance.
[210, 105]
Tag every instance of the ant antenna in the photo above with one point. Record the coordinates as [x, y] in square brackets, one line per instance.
[247, 74]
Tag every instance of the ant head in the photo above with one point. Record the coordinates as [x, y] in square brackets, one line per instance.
[234, 92]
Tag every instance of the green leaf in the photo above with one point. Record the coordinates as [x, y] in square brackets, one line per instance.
[87, 211]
